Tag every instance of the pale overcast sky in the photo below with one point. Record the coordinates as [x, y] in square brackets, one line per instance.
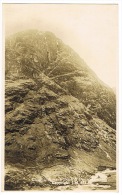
[91, 30]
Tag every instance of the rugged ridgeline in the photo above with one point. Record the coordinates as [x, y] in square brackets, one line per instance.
[60, 118]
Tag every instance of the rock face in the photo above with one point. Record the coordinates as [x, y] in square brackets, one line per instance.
[58, 113]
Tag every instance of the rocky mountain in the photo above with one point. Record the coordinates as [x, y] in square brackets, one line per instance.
[60, 118]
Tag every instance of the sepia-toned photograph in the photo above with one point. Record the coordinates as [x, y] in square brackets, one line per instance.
[61, 66]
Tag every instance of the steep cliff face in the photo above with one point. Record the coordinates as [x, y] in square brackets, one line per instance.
[58, 113]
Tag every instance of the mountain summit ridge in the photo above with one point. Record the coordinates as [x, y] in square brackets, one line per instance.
[36, 52]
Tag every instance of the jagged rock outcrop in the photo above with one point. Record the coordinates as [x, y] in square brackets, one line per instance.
[57, 111]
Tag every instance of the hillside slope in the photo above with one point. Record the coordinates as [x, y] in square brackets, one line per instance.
[60, 118]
